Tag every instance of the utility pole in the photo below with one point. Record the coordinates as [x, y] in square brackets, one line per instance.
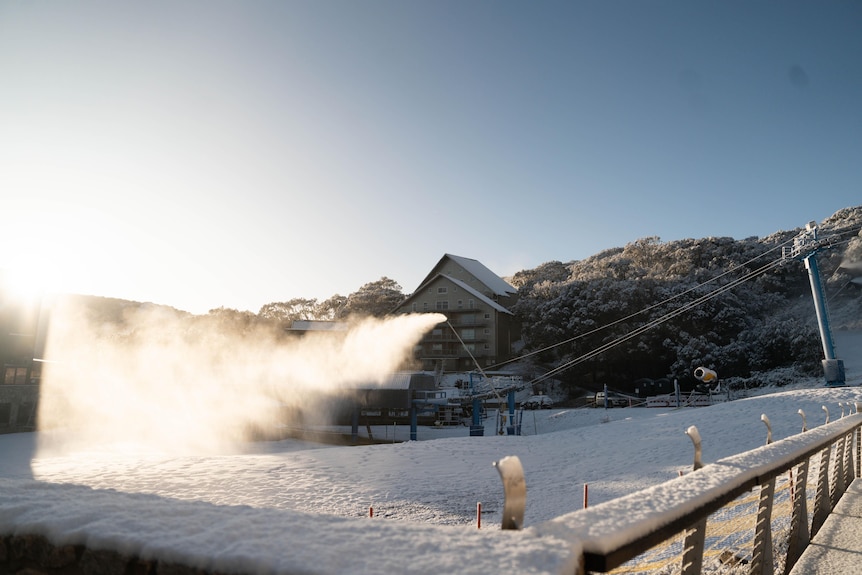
[805, 248]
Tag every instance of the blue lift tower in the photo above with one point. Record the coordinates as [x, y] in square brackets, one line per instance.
[805, 248]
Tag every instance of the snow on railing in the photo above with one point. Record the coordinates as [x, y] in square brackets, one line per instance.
[620, 530]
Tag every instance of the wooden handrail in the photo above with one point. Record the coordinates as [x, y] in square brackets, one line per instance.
[616, 531]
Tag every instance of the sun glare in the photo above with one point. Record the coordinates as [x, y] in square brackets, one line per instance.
[23, 286]
[57, 252]
[36, 266]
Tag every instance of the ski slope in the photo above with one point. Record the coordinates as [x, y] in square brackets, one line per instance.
[290, 506]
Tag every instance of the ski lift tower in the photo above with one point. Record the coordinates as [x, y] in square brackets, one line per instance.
[805, 248]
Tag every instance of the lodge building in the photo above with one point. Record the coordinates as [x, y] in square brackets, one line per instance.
[480, 328]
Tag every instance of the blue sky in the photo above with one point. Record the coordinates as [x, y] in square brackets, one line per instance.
[205, 154]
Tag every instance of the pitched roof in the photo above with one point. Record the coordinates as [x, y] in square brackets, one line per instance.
[477, 294]
[469, 289]
[492, 281]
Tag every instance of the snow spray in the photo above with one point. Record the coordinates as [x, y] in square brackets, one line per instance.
[166, 381]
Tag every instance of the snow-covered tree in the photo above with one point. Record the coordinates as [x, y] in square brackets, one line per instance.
[377, 298]
[727, 304]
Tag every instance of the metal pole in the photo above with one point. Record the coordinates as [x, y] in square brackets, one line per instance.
[820, 306]
[512, 429]
[354, 424]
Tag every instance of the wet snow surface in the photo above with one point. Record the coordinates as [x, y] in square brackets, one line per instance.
[290, 506]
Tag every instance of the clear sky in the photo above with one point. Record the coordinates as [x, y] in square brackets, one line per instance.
[205, 153]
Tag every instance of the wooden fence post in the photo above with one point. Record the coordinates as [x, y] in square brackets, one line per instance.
[695, 536]
[761, 559]
[822, 504]
[799, 537]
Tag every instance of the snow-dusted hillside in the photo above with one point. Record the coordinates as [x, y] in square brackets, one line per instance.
[743, 307]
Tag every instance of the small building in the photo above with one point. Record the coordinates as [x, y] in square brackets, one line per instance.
[22, 340]
[477, 304]
[305, 326]
[386, 402]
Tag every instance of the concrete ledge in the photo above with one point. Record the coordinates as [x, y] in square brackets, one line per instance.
[837, 547]
[35, 555]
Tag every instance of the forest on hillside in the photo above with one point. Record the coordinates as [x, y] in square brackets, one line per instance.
[657, 310]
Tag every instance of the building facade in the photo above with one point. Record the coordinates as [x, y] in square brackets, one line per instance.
[480, 329]
[21, 340]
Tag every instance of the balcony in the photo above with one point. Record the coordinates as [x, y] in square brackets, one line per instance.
[452, 353]
[445, 336]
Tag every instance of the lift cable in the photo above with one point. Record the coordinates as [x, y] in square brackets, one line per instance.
[646, 309]
[654, 323]
[638, 331]
[476, 363]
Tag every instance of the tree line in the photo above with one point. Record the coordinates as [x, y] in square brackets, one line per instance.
[736, 306]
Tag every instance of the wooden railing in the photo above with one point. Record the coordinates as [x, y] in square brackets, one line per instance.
[620, 530]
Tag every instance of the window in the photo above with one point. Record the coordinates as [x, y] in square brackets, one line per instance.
[437, 347]
[15, 375]
[460, 303]
[468, 318]
[26, 412]
[414, 306]
[486, 346]
[486, 331]
[468, 333]
[487, 316]
[424, 306]
[442, 289]
[471, 304]
[437, 331]
[443, 304]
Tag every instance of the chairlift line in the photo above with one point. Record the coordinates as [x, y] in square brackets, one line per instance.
[476, 363]
[670, 315]
[806, 246]
[648, 308]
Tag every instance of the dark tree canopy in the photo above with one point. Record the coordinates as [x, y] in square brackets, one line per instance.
[727, 304]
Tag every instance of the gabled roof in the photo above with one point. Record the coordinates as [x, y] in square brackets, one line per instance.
[478, 295]
[492, 281]
[471, 290]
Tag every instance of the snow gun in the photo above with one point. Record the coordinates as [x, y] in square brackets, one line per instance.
[705, 375]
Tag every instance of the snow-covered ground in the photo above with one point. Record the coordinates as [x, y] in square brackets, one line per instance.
[290, 506]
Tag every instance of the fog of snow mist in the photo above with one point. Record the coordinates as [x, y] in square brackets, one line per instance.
[164, 385]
